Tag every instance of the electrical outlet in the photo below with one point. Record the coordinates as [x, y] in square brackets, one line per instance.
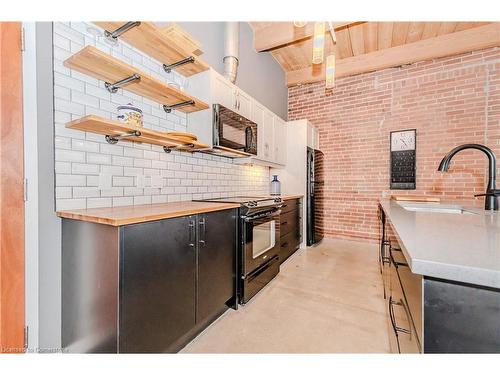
[105, 181]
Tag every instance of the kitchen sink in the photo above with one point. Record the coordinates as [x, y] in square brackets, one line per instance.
[434, 208]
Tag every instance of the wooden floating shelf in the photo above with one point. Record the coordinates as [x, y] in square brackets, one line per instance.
[157, 43]
[105, 67]
[182, 38]
[122, 131]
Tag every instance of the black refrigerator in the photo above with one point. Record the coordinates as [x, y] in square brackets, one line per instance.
[314, 196]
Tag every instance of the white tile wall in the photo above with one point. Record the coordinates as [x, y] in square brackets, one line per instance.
[81, 158]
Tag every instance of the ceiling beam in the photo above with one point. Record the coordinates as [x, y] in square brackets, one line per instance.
[445, 45]
[280, 34]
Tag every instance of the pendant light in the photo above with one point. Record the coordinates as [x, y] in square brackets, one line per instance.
[299, 23]
[330, 71]
[318, 43]
[332, 32]
[330, 61]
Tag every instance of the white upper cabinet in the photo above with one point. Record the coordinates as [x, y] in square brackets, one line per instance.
[280, 140]
[258, 117]
[267, 137]
[224, 93]
[230, 96]
[244, 104]
[213, 88]
[271, 135]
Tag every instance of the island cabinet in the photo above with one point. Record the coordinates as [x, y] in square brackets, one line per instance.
[429, 314]
[146, 287]
[404, 305]
[290, 228]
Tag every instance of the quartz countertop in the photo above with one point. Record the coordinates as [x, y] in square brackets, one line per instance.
[452, 246]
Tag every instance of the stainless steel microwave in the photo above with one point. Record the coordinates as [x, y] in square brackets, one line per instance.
[234, 135]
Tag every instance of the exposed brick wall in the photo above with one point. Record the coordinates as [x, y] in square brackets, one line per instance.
[449, 101]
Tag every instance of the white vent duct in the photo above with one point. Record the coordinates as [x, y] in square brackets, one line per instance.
[231, 50]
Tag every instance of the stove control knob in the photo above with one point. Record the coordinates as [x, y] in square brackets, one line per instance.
[278, 200]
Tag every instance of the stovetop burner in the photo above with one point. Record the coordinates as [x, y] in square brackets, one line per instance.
[252, 201]
[251, 204]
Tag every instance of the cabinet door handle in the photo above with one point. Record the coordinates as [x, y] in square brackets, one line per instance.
[191, 233]
[385, 259]
[203, 224]
[393, 319]
[284, 223]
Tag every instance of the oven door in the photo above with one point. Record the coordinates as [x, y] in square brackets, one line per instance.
[261, 239]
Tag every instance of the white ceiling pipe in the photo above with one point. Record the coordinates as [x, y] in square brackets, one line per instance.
[231, 50]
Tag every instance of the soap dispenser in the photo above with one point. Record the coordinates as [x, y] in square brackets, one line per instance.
[275, 185]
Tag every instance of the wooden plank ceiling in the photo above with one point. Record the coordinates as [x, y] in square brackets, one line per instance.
[292, 47]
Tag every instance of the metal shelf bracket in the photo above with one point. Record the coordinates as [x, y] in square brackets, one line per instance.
[168, 108]
[113, 139]
[169, 149]
[113, 35]
[113, 87]
[168, 67]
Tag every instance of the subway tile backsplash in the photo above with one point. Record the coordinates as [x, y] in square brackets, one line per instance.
[92, 173]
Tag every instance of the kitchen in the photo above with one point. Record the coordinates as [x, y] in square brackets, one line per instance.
[300, 187]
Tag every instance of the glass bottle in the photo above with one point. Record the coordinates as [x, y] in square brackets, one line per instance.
[275, 185]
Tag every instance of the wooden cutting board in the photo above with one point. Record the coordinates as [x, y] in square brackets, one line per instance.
[188, 137]
[416, 198]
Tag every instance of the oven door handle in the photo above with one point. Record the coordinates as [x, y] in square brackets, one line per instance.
[266, 216]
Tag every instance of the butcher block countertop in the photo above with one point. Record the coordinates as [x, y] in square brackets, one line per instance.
[124, 215]
[117, 216]
[289, 197]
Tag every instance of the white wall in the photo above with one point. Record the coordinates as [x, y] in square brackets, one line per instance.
[43, 227]
[81, 157]
[259, 74]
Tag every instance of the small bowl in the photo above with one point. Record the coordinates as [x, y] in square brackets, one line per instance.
[130, 115]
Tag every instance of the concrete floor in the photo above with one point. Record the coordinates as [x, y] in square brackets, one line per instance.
[326, 299]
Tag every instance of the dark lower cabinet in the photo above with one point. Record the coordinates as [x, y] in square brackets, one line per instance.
[290, 228]
[216, 264]
[460, 318]
[157, 285]
[148, 287]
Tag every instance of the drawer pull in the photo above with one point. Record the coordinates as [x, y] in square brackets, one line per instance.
[393, 319]
[284, 223]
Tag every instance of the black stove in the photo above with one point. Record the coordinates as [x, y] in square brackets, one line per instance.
[259, 235]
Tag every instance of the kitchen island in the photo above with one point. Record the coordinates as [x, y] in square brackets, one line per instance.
[445, 259]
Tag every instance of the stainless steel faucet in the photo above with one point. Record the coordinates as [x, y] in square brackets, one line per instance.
[491, 195]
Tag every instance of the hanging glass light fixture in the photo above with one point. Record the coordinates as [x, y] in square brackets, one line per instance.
[330, 71]
[299, 23]
[318, 43]
[332, 32]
